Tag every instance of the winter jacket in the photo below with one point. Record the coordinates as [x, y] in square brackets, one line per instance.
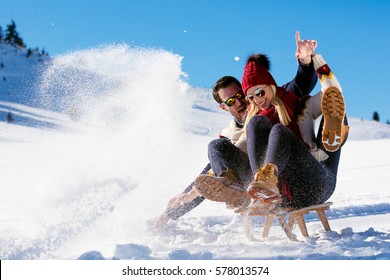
[293, 95]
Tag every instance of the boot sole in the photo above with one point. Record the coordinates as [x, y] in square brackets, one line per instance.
[333, 109]
[214, 189]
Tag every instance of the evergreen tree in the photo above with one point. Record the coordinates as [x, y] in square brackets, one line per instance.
[43, 52]
[29, 52]
[12, 36]
[375, 116]
[10, 117]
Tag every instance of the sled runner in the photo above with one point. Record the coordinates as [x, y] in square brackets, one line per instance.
[287, 219]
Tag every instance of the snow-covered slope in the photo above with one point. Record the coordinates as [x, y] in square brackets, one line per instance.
[129, 133]
[18, 76]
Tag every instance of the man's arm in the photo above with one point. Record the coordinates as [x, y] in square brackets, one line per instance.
[175, 213]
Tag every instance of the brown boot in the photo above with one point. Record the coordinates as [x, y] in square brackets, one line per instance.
[264, 184]
[334, 132]
[222, 189]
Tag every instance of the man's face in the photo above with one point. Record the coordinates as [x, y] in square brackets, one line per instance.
[239, 109]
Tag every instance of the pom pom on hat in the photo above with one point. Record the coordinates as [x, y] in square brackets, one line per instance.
[256, 72]
[261, 59]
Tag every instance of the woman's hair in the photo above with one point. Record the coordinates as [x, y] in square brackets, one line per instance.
[281, 110]
[284, 117]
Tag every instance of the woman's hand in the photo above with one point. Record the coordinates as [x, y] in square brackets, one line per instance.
[305, 49]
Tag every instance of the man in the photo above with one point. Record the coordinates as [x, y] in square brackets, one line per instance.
[227, 91]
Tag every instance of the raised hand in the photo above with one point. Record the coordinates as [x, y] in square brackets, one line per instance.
[305, 48]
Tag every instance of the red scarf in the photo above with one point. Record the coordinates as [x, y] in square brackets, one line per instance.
[292, 104]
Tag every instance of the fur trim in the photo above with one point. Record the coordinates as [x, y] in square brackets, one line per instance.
[261, 59]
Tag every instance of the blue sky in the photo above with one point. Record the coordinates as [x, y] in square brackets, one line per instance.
[353, 36]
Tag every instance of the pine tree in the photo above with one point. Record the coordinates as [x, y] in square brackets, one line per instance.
[29, 52]
[12, 36]
[10, 117]
[375, 116]
[43, 52]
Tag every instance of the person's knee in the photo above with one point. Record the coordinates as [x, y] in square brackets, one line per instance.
[218, 144]
[258, 122]
[280, 131]
[278, 128]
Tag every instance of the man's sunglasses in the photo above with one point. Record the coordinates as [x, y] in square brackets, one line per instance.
[258, 92]
[232, 100]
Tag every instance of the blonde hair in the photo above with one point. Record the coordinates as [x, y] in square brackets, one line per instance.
[283, 115]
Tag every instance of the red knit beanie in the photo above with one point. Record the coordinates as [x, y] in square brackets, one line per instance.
[256, 74]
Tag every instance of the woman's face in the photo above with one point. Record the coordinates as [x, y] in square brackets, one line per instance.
[261, 96]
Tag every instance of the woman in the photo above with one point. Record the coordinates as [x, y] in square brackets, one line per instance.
[283, 167]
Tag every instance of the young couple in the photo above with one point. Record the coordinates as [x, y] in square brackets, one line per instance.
[269, 156]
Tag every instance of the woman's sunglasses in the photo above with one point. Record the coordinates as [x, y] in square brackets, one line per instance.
[258, 92]
[232, 100]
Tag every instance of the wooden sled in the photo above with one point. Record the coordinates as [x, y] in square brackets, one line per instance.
[287, 219]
